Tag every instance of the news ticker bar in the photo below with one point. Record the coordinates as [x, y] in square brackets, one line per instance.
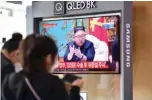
[83, 65]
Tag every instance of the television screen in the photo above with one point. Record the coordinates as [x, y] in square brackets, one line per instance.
[86, 44]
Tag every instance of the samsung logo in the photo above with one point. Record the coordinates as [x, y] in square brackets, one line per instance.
[128, 45]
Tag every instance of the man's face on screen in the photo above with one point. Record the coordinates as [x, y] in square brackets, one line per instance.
[80, 37]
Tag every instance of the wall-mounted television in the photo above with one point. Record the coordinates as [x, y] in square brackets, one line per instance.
[95, 49]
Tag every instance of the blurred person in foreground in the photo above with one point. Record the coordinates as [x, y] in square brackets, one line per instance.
[34, 82]
[10, 55]
[79, 49]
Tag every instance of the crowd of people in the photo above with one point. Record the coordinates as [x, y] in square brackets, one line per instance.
[25, 70]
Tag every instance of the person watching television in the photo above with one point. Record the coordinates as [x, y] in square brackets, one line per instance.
[10, 55]
[35, 82]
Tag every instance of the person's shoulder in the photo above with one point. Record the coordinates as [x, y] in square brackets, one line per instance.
[15, 78]
[52, 76]
[54, 79]
[7, 67]
[88, 43]
[4, 61]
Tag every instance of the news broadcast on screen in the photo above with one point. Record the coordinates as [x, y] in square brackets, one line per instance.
[86, 44]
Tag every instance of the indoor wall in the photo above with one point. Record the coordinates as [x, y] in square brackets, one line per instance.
[142, 50]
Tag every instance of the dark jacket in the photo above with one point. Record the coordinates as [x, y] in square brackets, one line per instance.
[116, 49]
[7, 67]
[47, 86]
[87, 49]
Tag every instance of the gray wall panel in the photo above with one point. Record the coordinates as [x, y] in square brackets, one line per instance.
[46, 8]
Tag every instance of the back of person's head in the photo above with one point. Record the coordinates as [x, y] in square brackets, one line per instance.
[17, 36]
[12, 44]
[38, 53]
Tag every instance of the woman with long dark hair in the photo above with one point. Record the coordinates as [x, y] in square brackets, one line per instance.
[35, 82]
